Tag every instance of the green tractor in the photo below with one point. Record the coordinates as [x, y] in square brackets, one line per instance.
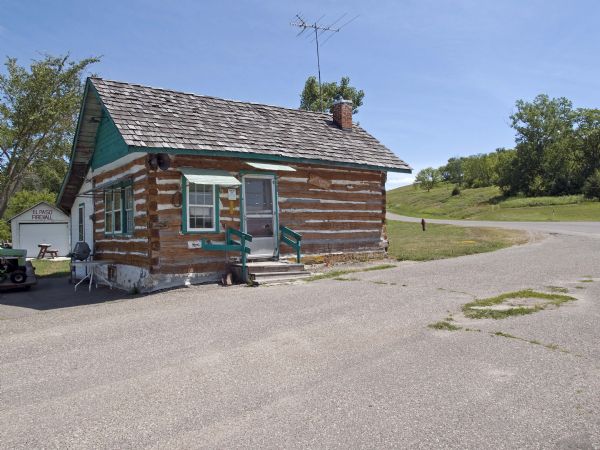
[15, 270]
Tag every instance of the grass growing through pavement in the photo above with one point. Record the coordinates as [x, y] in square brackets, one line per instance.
[472, 311]
[560, 289]
[444, 325]
[338, 274]
[488, 204]
[49, 268]
[409, 242]
[530, 341]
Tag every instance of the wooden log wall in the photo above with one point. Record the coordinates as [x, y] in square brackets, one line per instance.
[335, 209]
[134, 249]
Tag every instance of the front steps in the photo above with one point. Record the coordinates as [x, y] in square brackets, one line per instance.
[271, 272]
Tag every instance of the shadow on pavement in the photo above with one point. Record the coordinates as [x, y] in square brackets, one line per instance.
[53, 293]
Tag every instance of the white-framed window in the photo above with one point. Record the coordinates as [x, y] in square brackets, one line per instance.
[118, 210]
[128, 205]
[81, 223]
[108, 212]
[201, 209]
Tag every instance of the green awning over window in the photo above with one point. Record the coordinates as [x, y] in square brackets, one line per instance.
[219, 177]
[273, 167]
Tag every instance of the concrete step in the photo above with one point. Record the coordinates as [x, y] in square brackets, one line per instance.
[261, 275]
[274, 267]
[277, 279]
[264, 271]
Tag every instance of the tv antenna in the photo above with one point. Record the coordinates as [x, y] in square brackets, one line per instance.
[319, 31]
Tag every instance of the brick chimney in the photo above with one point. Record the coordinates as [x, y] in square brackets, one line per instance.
[342, 114]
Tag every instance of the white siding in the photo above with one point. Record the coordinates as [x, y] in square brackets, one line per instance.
[42, 224]
[88, 203]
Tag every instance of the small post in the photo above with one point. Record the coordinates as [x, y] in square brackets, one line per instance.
[243, 244]
[298, 252]
[423, 224]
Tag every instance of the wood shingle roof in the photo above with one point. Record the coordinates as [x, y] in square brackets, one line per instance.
[158, 119]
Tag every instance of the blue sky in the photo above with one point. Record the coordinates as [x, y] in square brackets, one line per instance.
[440, 77]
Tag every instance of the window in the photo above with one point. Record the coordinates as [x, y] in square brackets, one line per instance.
[128, 192]
[81, 223]
[108, 212]
[200, 207]
[118, 210]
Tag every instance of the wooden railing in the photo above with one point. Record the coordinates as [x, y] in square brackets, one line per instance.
[233, 245]
[291, 238]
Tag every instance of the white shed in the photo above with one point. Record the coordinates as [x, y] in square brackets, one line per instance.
[41, 224]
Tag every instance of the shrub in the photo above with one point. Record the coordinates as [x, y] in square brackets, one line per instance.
[455, 191]
[591, 187]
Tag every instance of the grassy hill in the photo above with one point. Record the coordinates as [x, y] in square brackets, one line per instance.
[488, 204]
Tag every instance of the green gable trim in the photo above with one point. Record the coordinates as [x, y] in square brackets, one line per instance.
[110, 145]
[111, 141]
[264, 157]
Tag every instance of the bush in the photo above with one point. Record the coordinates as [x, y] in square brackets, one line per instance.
[456, 191]
[5, 235]
[591, 187]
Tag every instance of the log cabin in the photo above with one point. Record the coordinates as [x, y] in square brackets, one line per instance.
[173, 188]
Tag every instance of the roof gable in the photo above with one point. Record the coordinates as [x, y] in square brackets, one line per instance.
[84, 144]
[61, 214]
[138, 118]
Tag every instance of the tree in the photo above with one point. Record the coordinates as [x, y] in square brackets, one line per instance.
[591, 187]
[309, 98]
[545, 161]
[479, 170]
[24, 199]
[38, 113]
[453, 171]
[505, 170]
[588, 141]
[428, 178]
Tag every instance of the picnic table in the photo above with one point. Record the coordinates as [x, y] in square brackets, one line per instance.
[45, 249]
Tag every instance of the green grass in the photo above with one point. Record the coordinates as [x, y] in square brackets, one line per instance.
[548, 300]
[339, 274]
[560, 289]
[529, 341]
[409, 242]
[49, 268]
[444, 325]
[488, 204]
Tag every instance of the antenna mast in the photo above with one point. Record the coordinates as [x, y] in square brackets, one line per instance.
[319, 30]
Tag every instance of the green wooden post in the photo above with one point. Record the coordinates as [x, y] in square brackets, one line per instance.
[244, 272]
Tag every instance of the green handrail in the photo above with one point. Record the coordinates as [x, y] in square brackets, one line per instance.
[231, 245]
[291, 238]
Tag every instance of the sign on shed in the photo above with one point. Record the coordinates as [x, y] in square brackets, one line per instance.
[41, 224]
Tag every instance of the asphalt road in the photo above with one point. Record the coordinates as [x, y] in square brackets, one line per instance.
[326, 364]
[571, 228]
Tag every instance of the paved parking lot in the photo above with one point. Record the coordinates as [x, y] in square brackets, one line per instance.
[333, 363]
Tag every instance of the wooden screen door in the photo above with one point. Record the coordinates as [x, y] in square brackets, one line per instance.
[260, 214]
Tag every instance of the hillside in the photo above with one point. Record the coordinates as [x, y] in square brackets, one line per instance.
[488, 204]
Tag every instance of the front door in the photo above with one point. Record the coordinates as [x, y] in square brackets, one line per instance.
[260, 214]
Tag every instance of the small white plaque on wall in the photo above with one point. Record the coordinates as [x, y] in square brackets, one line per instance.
[231, 194]
[194, 244]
